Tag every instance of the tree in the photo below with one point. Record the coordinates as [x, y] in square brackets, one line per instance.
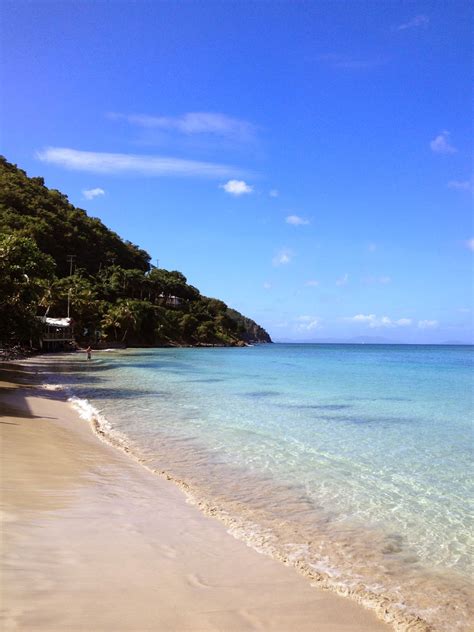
[206, 332]
[215, 306]
[125, 317]
[188, 325]
[25, 273]
[79, 292]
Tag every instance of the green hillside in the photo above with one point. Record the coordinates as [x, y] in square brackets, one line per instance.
[115, 295]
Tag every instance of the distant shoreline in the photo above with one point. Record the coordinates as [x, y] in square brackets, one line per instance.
[371, 344]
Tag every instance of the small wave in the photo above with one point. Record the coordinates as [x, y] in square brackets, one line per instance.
[100, 424]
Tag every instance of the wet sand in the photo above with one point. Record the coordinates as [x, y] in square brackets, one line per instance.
[93, 541]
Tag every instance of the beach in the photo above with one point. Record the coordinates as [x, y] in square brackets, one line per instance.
[92, 540]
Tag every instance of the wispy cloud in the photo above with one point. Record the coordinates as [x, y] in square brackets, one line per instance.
[372, 247]
[344, 280]
[101, 162]
[461, 185]
[416, 22]
[267, 285]
[308, 323]
[273, 193]
[377, 280]
[345, 62]
[442, 145]
[283, 257]
[90, 194]
[296, 220]
[470, 244]
[427, 324]
[236, 187]
[312, 283]
[376, 322]
[191, 123]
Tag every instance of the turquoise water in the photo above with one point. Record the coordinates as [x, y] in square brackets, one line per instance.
[351, 462]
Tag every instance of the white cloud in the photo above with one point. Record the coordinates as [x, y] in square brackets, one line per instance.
[470, 244]
[90, 194]
[342, 280]
[312, 283]
[190, 123]
[283, 257]
[267, 285]
[308, 323]
[375, 322]
[460, 185]
[362, 318]
[441, 144]
[273, 193]
[427, 324]
[101, 162]
[236, 187]
[296, 220]
[416, 22]
[372, 247]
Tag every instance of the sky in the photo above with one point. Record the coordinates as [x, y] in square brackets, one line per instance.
[309, 163]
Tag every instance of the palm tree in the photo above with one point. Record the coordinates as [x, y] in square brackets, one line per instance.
[124, 316]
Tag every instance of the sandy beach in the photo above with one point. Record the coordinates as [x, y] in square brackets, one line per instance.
[94, 541]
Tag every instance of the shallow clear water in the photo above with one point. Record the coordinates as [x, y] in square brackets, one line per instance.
[350, 461]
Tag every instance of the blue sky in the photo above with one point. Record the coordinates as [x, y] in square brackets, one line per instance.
[310, 163]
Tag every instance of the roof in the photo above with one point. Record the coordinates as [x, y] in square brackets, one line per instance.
[56, 322]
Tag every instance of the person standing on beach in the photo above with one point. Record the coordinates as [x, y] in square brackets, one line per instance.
[89, 353]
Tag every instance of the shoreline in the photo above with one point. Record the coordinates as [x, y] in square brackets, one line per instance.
[88, 528]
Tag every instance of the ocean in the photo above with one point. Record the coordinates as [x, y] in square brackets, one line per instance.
[350, 462]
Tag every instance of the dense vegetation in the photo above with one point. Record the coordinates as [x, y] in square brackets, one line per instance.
[114, 292]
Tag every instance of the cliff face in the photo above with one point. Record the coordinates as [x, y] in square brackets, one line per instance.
[113, 292]
[251, 331]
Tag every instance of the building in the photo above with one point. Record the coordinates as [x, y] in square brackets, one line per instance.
[57, 334]
[172, 301]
